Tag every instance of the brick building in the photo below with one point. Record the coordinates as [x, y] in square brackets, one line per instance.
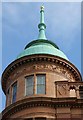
[42, 83]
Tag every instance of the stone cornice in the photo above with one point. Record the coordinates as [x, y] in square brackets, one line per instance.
[39, 58]
[42, 101]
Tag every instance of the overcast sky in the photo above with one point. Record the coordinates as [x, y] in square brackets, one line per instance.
[20, 26]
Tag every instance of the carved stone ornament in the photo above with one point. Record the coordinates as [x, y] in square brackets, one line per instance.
[54, 68]
[61, 90]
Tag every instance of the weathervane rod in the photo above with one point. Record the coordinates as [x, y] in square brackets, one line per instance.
[42, 25]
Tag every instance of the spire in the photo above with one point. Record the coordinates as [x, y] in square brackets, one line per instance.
[42, 25]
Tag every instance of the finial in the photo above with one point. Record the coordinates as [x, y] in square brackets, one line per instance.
[42, 25]
[42, 7]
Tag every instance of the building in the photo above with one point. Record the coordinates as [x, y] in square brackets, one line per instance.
[42, 83]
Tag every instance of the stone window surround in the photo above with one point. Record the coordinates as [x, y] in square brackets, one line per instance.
[12, 91]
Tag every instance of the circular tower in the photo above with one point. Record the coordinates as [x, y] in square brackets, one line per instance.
[42, 83]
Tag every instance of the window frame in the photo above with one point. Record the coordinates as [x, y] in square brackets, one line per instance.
[40, 84]
[12, 91]
[34, 84]
[26, 84]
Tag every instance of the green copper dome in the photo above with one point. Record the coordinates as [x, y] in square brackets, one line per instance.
[42, 45]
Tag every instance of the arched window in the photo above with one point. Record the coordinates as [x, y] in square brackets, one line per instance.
[72, 91]
[81, 91]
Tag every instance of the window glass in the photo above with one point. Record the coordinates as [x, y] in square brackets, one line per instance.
[14, 87]
[29, 85]
[41, 79]
[40, 84]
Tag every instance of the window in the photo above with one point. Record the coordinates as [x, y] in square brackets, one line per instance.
[40, 83]
[35, 86]
[29, 85]
[14, 87]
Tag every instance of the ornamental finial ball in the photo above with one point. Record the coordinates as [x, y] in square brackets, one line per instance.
[42, 7]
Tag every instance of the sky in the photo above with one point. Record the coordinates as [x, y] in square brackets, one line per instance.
[20, 26]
